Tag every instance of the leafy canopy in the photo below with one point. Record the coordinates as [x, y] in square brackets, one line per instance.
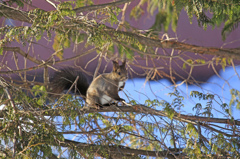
[33, 125]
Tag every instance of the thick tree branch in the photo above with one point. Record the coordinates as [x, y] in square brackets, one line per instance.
[165, 44]
[117, 151]
[150, 111]
[171, 44]
[141, 109]
[100, 6]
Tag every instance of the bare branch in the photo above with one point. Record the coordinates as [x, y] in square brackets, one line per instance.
[21, 52]
[15, 14]
[49, 63]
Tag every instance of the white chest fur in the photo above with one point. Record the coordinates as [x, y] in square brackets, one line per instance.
[120, 84]
[105, 100]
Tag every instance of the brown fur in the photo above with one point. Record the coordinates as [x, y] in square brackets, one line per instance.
[104, 89]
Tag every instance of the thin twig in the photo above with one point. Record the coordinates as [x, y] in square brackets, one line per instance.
[50, 63]
[98, 66]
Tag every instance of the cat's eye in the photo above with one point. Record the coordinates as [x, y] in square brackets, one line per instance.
[119, 73]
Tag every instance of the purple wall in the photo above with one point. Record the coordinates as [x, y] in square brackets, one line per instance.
[186, 32]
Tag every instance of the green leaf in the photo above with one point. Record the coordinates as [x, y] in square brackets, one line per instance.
[170, 111]
[184, 65]
[38, 37]
[160, 20]
[140, 47]
[79, 3]
[1, 50]
[66, 43]
[223, 63]
[136, 12]
[190, 61]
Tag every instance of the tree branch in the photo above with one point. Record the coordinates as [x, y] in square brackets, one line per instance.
[233, 53]
[15, 14]
[48, 63]
[18, 50]
[171, 44]
[140, 109]
[117, 151]
[165, 44]
[100, 6]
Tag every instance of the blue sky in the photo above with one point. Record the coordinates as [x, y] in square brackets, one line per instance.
[140, 91]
